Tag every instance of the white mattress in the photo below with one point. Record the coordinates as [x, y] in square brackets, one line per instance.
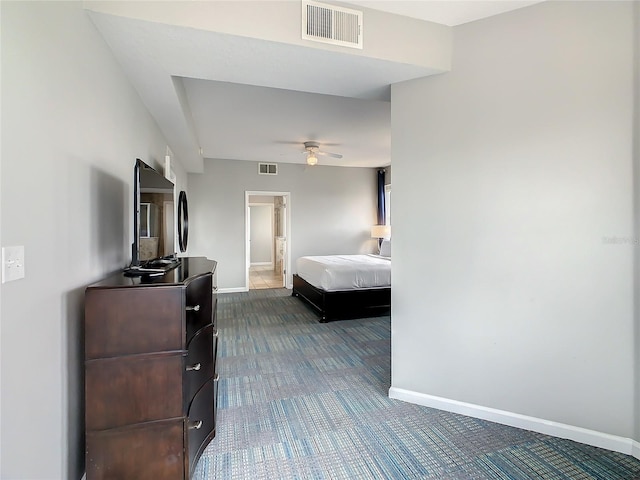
[345, 272]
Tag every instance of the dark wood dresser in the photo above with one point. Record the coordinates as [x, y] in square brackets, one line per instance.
[150, 372]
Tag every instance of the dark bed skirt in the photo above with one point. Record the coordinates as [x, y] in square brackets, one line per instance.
[345, 304]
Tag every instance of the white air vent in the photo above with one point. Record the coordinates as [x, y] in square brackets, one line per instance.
[330, 24]
[267, 169]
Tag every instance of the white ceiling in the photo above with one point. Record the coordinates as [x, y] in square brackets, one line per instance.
[240, 98]
[270, 124]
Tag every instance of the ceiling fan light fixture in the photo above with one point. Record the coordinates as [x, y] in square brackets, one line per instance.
[312, 150]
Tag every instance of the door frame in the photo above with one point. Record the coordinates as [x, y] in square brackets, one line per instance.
[287, 257]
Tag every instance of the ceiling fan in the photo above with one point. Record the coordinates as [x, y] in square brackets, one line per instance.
[312, 150]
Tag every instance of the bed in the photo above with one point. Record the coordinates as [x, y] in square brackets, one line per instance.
[340, 287]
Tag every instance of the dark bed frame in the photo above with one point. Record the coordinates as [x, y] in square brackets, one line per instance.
[344, 304]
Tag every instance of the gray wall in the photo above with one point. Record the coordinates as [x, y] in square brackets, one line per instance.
[508, 291]
[72, 127]
[332, 210]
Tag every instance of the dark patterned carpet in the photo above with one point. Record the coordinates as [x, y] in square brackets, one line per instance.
[304, 400]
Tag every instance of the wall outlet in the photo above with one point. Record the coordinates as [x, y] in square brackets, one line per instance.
[12, 263]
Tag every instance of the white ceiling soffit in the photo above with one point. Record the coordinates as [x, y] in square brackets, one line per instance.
[445, 12]
[151, 54]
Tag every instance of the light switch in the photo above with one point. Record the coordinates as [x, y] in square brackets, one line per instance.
[12, 263]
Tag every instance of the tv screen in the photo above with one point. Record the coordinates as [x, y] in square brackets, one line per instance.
[154, 219]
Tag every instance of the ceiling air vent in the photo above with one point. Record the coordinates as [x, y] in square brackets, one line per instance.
[267, 169]
[330, 24]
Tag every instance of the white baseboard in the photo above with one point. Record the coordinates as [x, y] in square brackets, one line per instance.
[241, 289]
[233, 290]
[561, 430]
[636, 450]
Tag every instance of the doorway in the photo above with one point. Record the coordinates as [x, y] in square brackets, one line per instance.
[267, 240]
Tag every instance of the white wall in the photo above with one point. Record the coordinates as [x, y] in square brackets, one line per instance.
[506, 294]
[72, 127]
[332, 210]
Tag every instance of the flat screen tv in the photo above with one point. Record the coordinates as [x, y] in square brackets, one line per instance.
[154, 225]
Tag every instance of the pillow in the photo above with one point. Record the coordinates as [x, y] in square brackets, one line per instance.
[385, 248]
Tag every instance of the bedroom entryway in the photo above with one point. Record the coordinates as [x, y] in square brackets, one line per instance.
[267, 245]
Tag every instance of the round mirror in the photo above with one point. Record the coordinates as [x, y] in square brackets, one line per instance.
[183, 221]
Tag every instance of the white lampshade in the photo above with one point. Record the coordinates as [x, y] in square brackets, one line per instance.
[312, 159]
[380, 231]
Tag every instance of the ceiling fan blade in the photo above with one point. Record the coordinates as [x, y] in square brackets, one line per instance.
[329, 154]
[286, 142]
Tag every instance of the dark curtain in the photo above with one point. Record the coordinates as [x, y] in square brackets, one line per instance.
[381, 219]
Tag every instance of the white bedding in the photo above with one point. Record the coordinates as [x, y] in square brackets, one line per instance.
[345, 272]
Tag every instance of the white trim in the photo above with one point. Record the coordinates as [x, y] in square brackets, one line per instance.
[261, 264]
[636, 449]
[169, 173]
[233, 290]
[547, 427]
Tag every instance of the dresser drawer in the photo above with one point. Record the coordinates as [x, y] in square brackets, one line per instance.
[199, 304]
[121, 321]
[150, 451]
[133, 389]
[200, 361]
[201, 421]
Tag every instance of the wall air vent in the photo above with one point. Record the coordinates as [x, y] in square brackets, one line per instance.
[267, 169]
[330, 24]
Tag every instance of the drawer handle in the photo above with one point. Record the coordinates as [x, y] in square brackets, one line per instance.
[196, 425]
[195, 309]
[193, 367]
[217, 377]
